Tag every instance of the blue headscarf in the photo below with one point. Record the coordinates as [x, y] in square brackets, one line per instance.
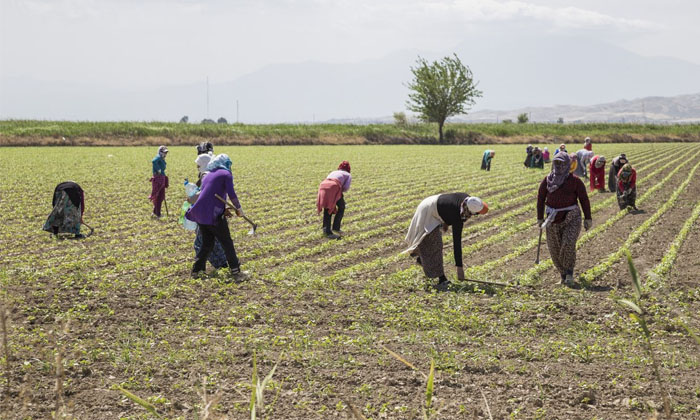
[221, 161]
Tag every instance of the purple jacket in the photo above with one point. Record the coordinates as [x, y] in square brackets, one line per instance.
[344, 177]
[207, 209]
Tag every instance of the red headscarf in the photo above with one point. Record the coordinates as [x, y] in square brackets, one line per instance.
[344, 166]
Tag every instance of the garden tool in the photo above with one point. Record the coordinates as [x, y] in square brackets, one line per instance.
[89, 227]
[253, 225]
[539, 244]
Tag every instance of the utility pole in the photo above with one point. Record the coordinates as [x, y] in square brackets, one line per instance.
[207, 96]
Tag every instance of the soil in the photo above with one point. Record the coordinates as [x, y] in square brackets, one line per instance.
[122, 311]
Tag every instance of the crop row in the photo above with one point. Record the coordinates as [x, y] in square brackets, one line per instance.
[486, 268]
[603, 267]
[369, 218]
[305, 252]
[531, 274]
[394, 258]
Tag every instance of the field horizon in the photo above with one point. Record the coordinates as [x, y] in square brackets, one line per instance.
[66, 133]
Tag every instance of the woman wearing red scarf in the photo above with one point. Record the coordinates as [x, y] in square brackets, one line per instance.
[330, 199]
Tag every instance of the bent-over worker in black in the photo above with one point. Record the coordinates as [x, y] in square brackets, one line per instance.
[432, 217]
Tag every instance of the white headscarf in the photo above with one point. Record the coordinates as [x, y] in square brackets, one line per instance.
[202, 161]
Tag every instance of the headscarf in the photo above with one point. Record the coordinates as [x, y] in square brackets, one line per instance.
[202, 161]
[621, 158]
[562, 146]
[560, 171]
[601, 160]
[162, 151]
[205, 147]
[344, 166]
[221, 161]
[471, 206]
[626, 171]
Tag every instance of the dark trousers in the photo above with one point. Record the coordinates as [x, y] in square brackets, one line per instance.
[158, 202]
[338, 216]
[210, 233]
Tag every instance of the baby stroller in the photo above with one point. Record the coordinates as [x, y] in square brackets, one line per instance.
[66, 217]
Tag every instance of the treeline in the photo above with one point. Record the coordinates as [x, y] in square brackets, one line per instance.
[36, 133]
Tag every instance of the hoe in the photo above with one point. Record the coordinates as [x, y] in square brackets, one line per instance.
[252, 224]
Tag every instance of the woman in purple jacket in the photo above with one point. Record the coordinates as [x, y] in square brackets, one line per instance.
[210, 215]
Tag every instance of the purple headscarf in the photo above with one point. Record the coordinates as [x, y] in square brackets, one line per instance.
[560, 171]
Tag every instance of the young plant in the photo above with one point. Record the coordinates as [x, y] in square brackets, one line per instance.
[5, 346]
[428, 408]
[257, 401]
[636, 313]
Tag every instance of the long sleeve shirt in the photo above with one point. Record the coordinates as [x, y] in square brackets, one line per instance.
[630, 184]
[449, 207]
[571, 191]
[343, 176]
[597, 174]
[207, 209]
[158, 165]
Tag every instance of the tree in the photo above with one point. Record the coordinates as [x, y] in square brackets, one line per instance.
[441, 89]
[523, 118]
[400, 119]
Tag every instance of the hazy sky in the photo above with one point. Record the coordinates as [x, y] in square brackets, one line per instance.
[144, 43]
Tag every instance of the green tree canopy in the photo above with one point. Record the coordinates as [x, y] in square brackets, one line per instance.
[441, 89]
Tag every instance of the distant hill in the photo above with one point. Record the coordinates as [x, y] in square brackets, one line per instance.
[678, 109]
[530, 71]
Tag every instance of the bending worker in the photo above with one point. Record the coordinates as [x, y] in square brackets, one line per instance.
[331, 201]
[434, 216]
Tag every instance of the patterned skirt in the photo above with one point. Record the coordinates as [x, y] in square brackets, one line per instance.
[65, 216]
[430, 251]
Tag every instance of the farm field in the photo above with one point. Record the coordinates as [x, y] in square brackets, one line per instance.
[120, 310]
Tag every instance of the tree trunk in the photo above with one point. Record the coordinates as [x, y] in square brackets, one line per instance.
[440, 124]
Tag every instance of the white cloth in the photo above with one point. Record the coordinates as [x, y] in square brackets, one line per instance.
[202, 161]
[425, 220]
[552, 213]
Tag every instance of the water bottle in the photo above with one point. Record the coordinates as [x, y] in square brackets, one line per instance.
[190, 188]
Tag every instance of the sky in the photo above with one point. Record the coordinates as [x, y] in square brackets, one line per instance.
[138, 44]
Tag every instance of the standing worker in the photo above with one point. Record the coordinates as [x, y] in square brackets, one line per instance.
[536, 160]
[627, 187]
[597, 171]
[424, 236]
[587, 144]
[486, 159]
[528, 155]
[159, 181]
[217, 257]
[559, 196]
[545, 155]
[210, 214]
[615, 166]
[331, 201]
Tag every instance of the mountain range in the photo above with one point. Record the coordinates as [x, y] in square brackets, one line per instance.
[529, 74]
